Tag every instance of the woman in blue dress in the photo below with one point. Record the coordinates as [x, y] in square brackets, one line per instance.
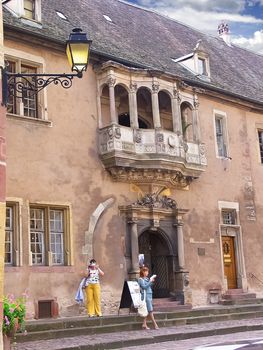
[146, 290]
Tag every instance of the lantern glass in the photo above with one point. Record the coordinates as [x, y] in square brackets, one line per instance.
[78, 47]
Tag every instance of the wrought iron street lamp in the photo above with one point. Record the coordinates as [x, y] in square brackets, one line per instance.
[19, 84]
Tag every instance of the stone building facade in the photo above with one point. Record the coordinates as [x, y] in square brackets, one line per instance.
[157, 150]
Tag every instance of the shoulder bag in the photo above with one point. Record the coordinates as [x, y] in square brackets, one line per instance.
[142, 307]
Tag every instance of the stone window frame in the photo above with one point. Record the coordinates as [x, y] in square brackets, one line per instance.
[229, 207]
[67, 234]
[20, 58]
[223, 117]
[15, 206]
[200, 56]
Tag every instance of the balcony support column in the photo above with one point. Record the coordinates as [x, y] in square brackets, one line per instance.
[176, 113]
[134, 273]
[180, 242]
[113, 114]
[133, 106]
[196, 127]
[155, 106]
[100, 124]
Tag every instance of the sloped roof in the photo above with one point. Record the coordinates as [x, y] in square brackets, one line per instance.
[147, 39]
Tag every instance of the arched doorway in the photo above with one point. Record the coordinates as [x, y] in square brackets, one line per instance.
[156, 257]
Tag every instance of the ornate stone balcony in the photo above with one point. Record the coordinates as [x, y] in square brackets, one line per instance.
[150, 155]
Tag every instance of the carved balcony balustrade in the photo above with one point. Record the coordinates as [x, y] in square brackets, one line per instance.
[145, 155]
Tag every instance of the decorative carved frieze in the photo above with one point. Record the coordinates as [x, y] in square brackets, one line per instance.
[137, 136]
[159, 137]
[144, 176]
[153, 200]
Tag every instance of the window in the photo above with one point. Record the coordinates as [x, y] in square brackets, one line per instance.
[220, 136]
[48, 235]
[260, 139]
[29, 99]
[28, 105]
[202, 66]
[229, 217]
[12, 240]
[9, 235]
[11, 104]
[29, 9]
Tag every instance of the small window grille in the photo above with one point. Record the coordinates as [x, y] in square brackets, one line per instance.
[229, 217]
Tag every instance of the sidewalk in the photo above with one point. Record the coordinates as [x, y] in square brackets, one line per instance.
[143, 337]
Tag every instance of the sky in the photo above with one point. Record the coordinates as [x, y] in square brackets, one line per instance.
[244, 17]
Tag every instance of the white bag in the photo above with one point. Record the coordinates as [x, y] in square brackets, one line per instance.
[142, 307]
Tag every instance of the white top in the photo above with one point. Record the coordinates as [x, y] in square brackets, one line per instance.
[93, 276]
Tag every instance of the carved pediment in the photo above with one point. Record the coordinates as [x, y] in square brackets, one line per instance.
[152, 200]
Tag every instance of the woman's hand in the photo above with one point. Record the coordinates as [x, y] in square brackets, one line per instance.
[100, 271]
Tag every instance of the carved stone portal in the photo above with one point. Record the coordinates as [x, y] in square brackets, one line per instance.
[156, 215]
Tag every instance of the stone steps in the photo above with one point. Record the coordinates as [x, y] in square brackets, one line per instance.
[169, 305]
[238, 297]
[126, 339]
[73, 327]
[241, 301]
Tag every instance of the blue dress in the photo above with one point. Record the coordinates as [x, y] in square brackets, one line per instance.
[146, 285]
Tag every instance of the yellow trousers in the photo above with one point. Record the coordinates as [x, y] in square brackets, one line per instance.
[93, 299]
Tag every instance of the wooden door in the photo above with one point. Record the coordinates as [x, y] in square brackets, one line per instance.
[228, 245]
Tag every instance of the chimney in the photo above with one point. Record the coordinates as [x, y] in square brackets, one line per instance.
[224, 33]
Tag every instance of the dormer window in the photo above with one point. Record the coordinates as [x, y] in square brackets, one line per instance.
[202, 66]
[29, 9]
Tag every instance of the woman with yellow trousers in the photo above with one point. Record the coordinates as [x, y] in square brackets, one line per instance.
[93, 289]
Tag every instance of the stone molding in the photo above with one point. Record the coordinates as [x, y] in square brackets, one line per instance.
[144, 176]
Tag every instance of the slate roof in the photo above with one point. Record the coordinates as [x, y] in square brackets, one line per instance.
[147, 39]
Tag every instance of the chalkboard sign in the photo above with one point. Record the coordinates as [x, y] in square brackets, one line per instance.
[130, 295]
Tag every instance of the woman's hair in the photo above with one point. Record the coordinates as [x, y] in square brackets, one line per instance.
[142, 270]
[92, 261]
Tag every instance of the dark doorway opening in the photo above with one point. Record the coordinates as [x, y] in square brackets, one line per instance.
[156, 257]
